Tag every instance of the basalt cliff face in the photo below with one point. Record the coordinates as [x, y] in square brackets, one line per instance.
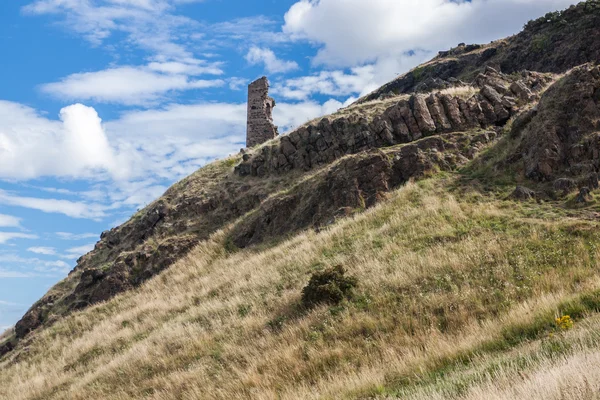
[533, 100]
[553, 43]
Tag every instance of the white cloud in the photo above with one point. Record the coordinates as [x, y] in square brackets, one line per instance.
[128, 85]
[148, 24]
[8, 221]
[32, 146]
[57, 266]
[236, 83]
[352, 32]
[69, 208]
[273, 65]
[257, 30]
[330, 83]
[22, 267]
[192, 68]
[289, 116]
[178, 139]
[75, 236]
[49, 251]
[132, 159]
[4, 273]
[85, 141]
[356, 81]
[7, 236]
[76, 252]
[128, 162]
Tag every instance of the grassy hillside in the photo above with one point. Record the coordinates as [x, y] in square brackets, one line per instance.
[458, 293]
[466, 288]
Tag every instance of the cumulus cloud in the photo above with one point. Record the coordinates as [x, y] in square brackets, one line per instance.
[84, 139]
[7, 236]
[75, 236]
[76, 252]
[8, 221]
[291, 115]
[132, 159]
[355, 31]
[148, 24]
[72, 209]
[237, 83]
[175, 140]
[191, 67]
[128, 161]
[356, 81]
[22, 267]
[128, 85]
[267, 57]
[49, 251]
[32, 146]
[5, 273]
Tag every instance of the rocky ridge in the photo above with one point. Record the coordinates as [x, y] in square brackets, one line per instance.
[561, 140]
[355, 183]
[552, 43]
[500, 97]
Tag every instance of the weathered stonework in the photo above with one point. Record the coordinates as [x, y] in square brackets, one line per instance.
[421, 115]
[260, 126]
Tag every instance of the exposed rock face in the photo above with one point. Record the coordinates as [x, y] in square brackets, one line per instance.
[584, 196]
[407, 120]
[355, 183]
[564, 185]
[553, 43]
[30, 321]
[6, 348]
[522, 193]
[563, 138]
[151, 241]
[260, 126]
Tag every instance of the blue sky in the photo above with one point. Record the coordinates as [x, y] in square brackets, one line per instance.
[105, 103]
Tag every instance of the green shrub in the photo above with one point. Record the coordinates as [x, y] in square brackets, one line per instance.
[328, 287]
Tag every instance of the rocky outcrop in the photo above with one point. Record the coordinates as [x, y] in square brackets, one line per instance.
[553, 43]
[354, 183]
[6, 348]
[152, 240]
[522, 193]
[405, 121]
[584, 196]
[562, 139]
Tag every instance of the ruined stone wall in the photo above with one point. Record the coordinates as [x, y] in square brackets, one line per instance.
[260, 126]
[322, 142]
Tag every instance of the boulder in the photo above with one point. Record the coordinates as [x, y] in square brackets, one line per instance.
[496, 100]
[522, 193]
[453, 112]
[422, 115]
[584, 196]
[438, 113]
[564, 185]
[522, 91]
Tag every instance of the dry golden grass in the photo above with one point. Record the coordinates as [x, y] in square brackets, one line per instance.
[440, 277]
[7, 332]
[368, 110]
[564, 366]
[463, 92]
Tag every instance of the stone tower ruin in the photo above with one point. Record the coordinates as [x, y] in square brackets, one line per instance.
[260, 126]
